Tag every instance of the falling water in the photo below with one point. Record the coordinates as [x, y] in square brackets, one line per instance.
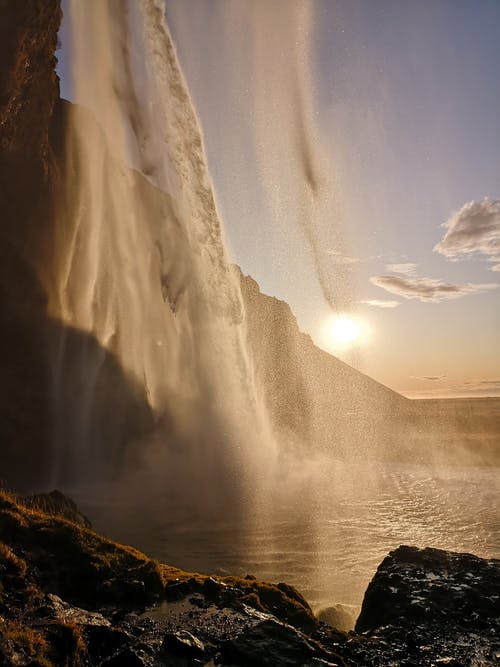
[150, 368]
[182, 395]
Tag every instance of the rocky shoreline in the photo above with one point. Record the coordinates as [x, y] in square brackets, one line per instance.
[69, 596]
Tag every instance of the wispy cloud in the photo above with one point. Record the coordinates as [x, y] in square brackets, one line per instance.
[407, 268]
[433, 378]
[484, 384]
[453, 386]
[380, 303]
[473, 231]
[428, 289]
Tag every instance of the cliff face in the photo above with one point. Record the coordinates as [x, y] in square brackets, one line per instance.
[316, 400]
[28, 83]
[33, 123]
[28, 93]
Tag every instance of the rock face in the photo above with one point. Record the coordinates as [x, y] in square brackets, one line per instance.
[33, 122]
[28, 93]
[430, 603]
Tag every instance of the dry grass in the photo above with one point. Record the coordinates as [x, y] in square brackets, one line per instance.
[23, 643]
[89, 570]
[73, 561]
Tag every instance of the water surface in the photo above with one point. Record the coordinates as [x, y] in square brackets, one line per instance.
[326, 529]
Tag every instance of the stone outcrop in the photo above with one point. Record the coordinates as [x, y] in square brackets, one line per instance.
[70, 596]
[434, 607]
[433, 587]
[28, 94]
[33, 123]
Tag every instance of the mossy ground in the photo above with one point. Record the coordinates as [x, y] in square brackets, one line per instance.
[43, 554]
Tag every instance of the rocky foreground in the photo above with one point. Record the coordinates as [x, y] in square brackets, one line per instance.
[71, 597]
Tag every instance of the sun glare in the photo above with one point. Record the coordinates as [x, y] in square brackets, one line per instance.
[344, 331]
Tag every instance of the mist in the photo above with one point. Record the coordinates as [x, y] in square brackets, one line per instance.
[191, 415]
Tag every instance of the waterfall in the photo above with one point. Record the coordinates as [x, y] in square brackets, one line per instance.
[151, 367]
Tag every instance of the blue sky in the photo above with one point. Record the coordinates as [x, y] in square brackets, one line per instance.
[401, 101]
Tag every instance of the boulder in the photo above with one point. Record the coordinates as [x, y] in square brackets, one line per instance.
[431, 587]
[182, 644]
[274, 644]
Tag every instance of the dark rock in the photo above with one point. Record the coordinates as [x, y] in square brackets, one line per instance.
[273, 644]
[211, 587]
[103, 641]
[183, 644]
[126, 591]
[176, 589]
[431, 587]
[126, 658]
[66, 613]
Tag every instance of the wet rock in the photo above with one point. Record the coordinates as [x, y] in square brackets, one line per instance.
[177, 589]
[429, 607]
[431, 587]
[182, 644]
[66, 613]
[126, 658]
[211, 587]
[128, 592]
[103, 641]
[273, 644]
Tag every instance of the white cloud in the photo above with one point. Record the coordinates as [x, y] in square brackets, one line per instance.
[473, 231]
[407, 268]
[427, 289]
[380, 303]
[433, 378]
[496, 267]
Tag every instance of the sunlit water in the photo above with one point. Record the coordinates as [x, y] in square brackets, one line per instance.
[328, 534]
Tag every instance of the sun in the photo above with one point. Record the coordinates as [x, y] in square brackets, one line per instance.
[345, 330]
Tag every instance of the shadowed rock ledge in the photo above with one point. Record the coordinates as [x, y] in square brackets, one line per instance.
[69, 596]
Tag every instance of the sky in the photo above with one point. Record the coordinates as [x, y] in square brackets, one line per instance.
[354, 152]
